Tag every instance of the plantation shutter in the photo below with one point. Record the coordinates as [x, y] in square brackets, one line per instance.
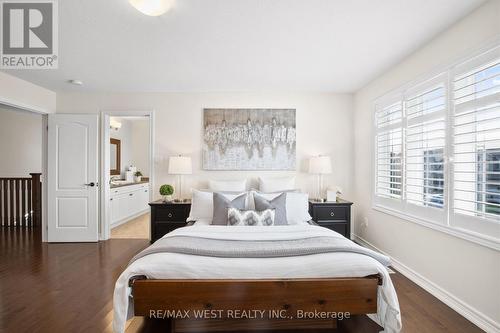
[425, 146]
[476, 145]
[437, 150]
[476, 142]
[389, 149]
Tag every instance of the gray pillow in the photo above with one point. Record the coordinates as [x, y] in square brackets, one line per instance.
[278, 203]
[222, 203]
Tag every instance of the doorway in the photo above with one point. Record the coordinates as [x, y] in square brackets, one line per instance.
[127, 174]
[21, 146]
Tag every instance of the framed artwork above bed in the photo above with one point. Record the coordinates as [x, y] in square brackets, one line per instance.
[249, 139]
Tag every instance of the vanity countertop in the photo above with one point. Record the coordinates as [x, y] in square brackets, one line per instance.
[128, 184]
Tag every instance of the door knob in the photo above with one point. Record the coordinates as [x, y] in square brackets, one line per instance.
[92, 184]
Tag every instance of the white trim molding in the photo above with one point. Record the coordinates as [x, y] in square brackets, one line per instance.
[467, 311]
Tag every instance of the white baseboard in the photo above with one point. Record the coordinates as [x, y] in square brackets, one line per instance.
[470, 313]
[125, 220]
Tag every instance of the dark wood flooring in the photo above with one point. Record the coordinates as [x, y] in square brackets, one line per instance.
[69, 288]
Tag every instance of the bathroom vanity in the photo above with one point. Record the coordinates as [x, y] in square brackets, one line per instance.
[128, 201]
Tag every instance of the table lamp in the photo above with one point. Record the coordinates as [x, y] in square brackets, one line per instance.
[180, 165]
[320, 165]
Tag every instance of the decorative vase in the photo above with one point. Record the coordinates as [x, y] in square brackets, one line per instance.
[167, 198]
[138, 179]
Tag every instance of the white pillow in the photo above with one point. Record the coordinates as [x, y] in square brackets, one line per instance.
[249, 204]
[228, 185]
[276, 184]
[202, 204]
[297, 206]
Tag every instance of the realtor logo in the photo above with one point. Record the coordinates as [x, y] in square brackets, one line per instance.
[28, 34]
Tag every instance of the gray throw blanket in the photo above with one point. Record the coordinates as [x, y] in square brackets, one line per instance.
[209, 247]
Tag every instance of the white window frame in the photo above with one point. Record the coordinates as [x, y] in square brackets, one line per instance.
[444, 219]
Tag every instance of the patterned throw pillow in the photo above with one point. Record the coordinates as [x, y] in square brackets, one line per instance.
[237, 216]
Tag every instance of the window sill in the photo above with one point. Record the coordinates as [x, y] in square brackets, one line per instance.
[456, 232]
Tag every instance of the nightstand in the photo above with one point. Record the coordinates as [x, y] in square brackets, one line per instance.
[334, 215]
[167, 216]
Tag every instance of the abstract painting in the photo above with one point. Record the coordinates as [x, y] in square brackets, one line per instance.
[249, 139]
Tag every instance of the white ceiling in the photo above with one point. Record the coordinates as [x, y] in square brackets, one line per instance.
[240, 45]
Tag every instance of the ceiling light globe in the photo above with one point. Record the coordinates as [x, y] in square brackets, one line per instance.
[152, 7]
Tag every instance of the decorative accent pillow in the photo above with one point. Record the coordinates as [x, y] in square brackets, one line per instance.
[237, 216]
[278, 203]
[276, 184]
[228, 185]
[297, 206]
[221, 205]
[202, 204]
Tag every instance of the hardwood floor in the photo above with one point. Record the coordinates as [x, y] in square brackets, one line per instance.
[69, 288]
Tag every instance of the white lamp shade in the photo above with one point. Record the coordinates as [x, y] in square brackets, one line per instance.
[180, 165]
[320, 165]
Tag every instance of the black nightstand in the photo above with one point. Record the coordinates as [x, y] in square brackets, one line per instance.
[167, 216]
[334, 215]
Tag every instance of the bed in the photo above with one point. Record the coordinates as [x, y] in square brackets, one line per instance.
[279, 270]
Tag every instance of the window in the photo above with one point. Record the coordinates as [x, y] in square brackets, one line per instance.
[389, 151]
[453, 117]
[425, 142]
[477, 141]
[434, 178]
[389, 164]
[488, 182]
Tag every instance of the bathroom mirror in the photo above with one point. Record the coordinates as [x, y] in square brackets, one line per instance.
[114, 159]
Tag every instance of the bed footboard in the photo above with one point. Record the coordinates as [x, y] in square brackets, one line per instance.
[282, 301]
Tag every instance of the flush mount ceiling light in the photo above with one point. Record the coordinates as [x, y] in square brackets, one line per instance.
[152, 7]
[115, 124]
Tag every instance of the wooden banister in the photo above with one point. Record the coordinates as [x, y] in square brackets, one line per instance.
[21, 201]
[37, 198]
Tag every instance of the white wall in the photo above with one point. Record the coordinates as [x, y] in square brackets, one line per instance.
[324, 126]
[140, 145]
[26, 95]
[20, 143]
[468, 272]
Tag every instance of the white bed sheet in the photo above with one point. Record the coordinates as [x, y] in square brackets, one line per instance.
[203, 222]
[182, 266]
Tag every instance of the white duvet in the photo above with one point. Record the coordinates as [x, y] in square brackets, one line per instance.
[182, 266]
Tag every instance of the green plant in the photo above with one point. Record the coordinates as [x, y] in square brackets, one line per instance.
[138, 174]
[166, 189]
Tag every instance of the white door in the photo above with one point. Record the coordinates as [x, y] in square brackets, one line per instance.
[73, 178]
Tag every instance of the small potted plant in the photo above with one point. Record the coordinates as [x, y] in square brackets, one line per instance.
[167, 191]
[138, 176]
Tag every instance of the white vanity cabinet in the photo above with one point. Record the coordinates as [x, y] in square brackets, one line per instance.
[128, 202]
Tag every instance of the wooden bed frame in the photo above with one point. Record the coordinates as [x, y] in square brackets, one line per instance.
[283, 297]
